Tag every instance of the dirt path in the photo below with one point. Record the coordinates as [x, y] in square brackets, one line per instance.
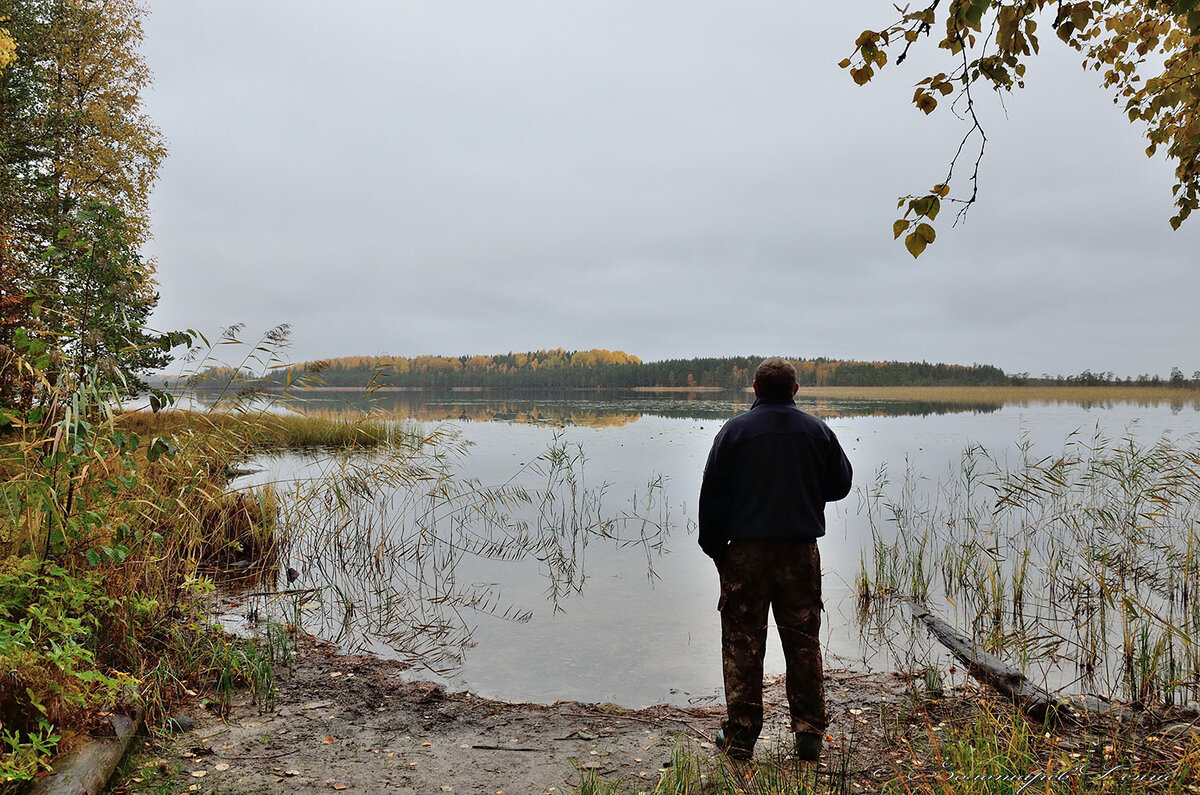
[352, 723]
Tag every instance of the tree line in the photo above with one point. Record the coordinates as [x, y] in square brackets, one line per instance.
[592, 369]
[1176, 380]
[558, 368]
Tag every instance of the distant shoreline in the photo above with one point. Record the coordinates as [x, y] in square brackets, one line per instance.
[1071, 393]
[275, 388]
[932, 394]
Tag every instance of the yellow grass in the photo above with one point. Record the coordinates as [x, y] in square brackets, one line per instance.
[265, 430]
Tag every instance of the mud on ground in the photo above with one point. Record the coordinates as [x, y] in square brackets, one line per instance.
[354, 723]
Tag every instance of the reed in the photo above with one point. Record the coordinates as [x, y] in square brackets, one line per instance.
[266, 431]
[1082, 563]
[377, 540]
[112, 529]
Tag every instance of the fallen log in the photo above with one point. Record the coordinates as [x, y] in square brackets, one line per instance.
[1033, 699]
[87, 770]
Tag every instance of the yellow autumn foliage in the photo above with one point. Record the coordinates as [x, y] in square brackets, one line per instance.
[530, 360]
[8, 49]
[1146, 52]
[110, 151]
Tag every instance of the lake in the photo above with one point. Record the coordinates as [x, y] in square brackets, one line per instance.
[632, 619]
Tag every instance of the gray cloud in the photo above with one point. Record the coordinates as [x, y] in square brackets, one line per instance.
[671, 179]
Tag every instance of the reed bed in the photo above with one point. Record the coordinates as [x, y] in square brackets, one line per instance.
[376, 540]
[1082, 566]
[267, 430]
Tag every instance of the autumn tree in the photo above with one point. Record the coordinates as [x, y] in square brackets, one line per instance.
[75, 147]
[1147, 52]
[73, 129]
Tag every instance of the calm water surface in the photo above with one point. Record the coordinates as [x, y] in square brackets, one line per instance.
[637, 637]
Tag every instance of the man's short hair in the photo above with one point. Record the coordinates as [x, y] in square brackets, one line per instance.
[775, 377]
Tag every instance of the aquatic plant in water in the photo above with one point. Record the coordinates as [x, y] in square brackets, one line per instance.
[1082, 565]
[383, 536]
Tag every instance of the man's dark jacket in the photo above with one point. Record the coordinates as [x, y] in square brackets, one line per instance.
[769, 475]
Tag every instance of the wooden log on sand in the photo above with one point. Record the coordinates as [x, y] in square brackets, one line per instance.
[87, 770]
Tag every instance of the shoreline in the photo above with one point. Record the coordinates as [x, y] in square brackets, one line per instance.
[274, 389]
[931, 394]
[355, 722]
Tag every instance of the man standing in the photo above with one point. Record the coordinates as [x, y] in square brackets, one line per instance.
[762, 508]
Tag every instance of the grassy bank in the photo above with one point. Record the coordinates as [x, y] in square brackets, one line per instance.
[112, 531]
[959, 745]
[104, 534]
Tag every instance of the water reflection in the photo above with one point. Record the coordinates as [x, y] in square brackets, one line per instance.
[1082, 564]
[590, 409]
[848, 407]
[664, 635]
[384, 546]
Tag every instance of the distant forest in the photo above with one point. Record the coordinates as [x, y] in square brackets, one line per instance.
[601, 369]
[593, 369]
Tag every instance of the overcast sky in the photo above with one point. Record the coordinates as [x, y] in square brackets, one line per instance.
[671, 178]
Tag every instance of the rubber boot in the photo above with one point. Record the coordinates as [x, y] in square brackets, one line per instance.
[735, 743]
[808, 746]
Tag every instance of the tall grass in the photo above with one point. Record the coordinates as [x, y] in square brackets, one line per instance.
[112, 528]
[377, 540]
[265, 431]
[1083, 564]
[105, 535]
[971, 746]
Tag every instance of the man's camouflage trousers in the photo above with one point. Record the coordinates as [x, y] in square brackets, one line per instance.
[784, 576]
